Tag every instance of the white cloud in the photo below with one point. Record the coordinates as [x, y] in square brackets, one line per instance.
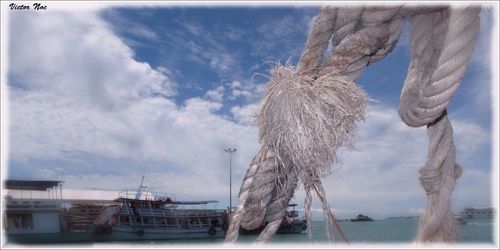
[76, 54]
[216, 94]
[245, 114]
[251, 92]
[45, 124]
[85, 95]
[235, 84]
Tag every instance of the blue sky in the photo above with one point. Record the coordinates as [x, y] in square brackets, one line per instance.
[100, 96]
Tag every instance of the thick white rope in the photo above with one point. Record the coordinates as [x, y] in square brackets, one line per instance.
[361, 36]
[264, 196]
[442, 44]
[310, 60]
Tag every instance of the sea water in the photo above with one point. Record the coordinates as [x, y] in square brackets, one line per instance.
[384, 231]
[388, 231]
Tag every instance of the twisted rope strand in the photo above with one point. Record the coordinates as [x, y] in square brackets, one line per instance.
[442, 44]
[317, 41]
[262, 160]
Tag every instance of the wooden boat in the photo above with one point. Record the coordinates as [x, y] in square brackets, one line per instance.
[158, 216]
[132, 216]
[158, 219]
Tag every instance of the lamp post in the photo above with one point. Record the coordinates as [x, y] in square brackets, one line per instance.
[230, 151]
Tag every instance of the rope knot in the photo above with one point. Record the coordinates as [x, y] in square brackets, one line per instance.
[305, 120]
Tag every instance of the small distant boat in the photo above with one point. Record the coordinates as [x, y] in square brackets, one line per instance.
[291, 224]
[362, 217]
[477, 213]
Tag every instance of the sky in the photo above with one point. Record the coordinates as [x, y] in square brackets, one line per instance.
[101, 95]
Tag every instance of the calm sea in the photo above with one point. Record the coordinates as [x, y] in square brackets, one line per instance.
[389, 231]
[380, 231]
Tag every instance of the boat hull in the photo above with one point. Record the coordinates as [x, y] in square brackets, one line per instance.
[37, 238]
[130, 234]
[118, 234]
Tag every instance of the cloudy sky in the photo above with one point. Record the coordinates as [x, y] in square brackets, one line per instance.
[101, 95]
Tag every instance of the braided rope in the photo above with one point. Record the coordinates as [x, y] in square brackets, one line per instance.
[434, 77]
[262, 163]
[442, 41]
[369, 35]
[317, 41]
[442, 44]
[264, 196]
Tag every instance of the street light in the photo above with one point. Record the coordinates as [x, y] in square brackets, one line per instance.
[230, 151]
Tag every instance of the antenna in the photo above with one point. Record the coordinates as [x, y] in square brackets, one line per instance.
[138, 194]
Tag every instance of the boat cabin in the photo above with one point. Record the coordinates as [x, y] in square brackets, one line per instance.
[166, 213]
[28, 212]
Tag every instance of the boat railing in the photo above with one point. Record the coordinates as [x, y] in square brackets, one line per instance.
[106, 215]
[152, 212]
[171, 213]
[199, 225]
[151, 225]
[202, 214]
[153, 196]
[32, 204]
[176, 226]
[127, 211]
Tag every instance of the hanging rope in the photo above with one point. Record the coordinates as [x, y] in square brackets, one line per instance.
[309, 112]
[441, 46]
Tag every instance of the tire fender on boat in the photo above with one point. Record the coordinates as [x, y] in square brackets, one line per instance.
[140, 232]
[224, 226]
[212, 231]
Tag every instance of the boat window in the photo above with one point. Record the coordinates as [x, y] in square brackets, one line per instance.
[214, 222]
[124, 219]
[20, 221]
[171, 220]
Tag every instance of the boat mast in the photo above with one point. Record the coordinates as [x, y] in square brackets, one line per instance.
[139, 192]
